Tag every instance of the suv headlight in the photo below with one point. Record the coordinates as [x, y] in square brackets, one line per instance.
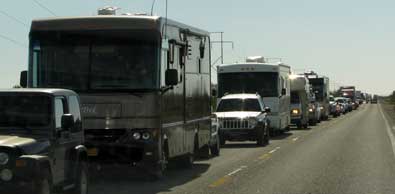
[253, 122]
[4, 158]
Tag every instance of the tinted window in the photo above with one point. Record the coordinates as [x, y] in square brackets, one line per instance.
[265, 83]
[229, 105]
[25, 111]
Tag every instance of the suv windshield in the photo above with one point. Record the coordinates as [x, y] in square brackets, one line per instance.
[25, 111]
[230, 105]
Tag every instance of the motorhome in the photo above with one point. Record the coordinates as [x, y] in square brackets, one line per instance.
[144, 84]
[300, 93]
[320, 86]
[269, 80]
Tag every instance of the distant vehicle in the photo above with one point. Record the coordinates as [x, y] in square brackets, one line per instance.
[351, 93]
[243, 117]
[343, 104]
[314, 110]
[300, 93]
[270, 81]
[144, 83]
[374, 99]
[335, 107]
[320, 86]
[350, 105]
[41, 142]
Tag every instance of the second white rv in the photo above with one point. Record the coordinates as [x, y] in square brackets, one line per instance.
[300, 93]
[270, 80]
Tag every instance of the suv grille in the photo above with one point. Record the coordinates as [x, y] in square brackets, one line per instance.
[234, 123]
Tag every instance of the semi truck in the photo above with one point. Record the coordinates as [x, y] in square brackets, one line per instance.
[144, 84]
[269, 80]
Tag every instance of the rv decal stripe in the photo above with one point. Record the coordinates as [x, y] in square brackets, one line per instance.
[199, 119]
[167, 125]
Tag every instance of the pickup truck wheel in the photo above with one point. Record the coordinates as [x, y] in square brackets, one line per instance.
[81, 180]
[267, 136]
[43, 185]
[215, 149]
[222, 141]
[261, 139]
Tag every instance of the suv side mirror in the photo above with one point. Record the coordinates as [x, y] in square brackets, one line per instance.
[23, 79]
[171, 77]
[67, 122]
[283, 91]
[267, 110]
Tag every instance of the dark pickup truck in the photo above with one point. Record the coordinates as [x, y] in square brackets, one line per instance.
[41, 142]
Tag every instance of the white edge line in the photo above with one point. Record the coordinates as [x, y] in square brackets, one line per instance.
[390, 134]
[235, 171]
[271, 152]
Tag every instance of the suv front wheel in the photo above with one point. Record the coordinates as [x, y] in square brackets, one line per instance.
[43, 185]
[81, 180]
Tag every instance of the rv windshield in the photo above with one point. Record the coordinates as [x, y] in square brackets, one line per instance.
[265, 83]
[25, 111]
[86, 63]
[230, 105]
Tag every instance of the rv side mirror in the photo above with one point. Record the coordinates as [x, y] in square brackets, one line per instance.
[67, 122]
[214, 92]
[283, 92]
[171, 77]
[201, 49]
[267, 110]
[23, 79]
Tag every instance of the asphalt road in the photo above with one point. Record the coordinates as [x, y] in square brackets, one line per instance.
[352, 154]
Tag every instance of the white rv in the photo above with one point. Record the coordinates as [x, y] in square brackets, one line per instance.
[270, 80]
[300, 99]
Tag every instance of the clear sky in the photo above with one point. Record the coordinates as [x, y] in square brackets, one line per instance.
[352, 41]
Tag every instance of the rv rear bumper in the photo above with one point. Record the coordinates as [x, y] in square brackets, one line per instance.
[123, 153]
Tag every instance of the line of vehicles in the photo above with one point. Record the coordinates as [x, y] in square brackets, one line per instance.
[136, 90]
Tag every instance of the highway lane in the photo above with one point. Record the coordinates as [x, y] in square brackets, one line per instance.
[351, 154]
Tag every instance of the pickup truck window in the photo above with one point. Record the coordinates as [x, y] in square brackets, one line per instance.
[229, 105]
[74, 109]
[59, 111]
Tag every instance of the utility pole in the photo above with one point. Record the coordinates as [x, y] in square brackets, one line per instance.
[222, 44]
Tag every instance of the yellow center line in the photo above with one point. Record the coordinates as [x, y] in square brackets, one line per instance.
[220, 181]
[264, 156]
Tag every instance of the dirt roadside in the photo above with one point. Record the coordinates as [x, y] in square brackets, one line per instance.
[389, 110]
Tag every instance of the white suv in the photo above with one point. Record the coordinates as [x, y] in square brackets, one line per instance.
[242, 117]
